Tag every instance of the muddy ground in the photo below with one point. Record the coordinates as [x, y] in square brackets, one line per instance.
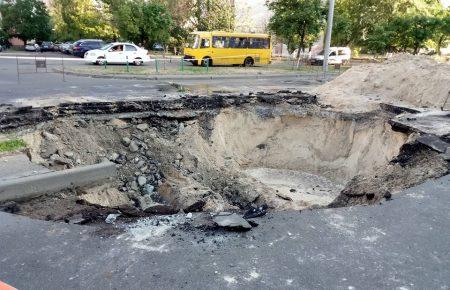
[220, 153]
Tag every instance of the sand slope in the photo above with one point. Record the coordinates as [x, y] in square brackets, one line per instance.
[419, 81]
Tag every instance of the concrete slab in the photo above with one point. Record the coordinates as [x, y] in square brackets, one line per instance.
[432, 122]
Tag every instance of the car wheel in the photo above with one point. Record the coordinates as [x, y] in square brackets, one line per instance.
[248, 61]
[138, 62]
[100, 61]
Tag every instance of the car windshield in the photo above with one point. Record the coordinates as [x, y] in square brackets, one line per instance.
[193, 41]
[106, 47]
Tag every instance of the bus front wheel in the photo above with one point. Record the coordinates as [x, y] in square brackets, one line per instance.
[249, 61]
[207, 61]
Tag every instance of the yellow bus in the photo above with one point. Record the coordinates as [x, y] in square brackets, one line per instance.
[225, 48]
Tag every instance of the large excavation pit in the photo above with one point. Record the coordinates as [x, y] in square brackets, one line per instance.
[226, 153]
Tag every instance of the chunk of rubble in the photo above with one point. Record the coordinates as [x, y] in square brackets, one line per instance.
[160, 209]
[142, 127]
[195, 207]
[111, 218]
[232, 222]
[105, 196]
[120, 124]
[254, 212]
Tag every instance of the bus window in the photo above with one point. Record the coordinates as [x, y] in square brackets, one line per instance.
[238, 42]
[204, 43]
[193, 41]
[266, 43]
[220, 42]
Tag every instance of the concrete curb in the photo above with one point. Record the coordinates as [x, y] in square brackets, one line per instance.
[189, 77]
[33, 186]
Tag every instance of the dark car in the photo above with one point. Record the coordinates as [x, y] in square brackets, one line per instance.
[80, 47]
[47, 46]
[158, 47]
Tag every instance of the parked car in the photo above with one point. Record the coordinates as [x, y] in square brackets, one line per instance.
[47, 46]
[65, 47]
[32, 47]
[80, 47]
[118, 53]
[158, 47]
[57, 46]
[338, 55]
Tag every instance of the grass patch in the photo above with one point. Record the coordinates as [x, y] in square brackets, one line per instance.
[12, 145]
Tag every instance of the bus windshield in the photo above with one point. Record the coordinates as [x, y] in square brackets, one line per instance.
[193, 41]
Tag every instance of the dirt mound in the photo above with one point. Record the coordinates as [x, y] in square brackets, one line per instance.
[405, 79]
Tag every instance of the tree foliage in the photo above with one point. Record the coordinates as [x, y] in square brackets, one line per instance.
[142, 22]
[389, 25]
[298, 22]
[26, 19]
[75, 19]
[213, 15]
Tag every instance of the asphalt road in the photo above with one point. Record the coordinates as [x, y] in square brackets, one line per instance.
[401, 244]
[20, 83]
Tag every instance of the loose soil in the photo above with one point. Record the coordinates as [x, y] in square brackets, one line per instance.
[418, 81]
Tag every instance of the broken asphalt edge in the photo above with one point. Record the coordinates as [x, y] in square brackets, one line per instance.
[36, 185]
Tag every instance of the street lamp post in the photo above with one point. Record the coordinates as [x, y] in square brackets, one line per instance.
[328, 36]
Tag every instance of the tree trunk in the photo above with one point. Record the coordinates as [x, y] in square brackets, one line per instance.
[301, 45]
[439, 44]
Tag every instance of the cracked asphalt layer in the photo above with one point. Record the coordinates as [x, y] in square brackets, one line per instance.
[401, 244]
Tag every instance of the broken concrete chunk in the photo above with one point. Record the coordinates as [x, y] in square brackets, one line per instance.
[111, 218]
[142, 180]
[232, 222]
[134, 146]
[142, 127]
[160, 209]
[50, 136]
[126, 141]
[117, 123]
[446, 155]
[105, 196]
[69, 154]
[49, 150]
[195, 207]
[434, 142]
[149, 189]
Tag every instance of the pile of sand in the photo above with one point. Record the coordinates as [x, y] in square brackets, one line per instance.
[418, 81]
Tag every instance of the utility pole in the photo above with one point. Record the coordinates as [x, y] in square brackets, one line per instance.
[328, 36]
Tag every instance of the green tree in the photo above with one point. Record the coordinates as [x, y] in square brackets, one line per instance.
[3, 37]
[298, 22]
[442, 35]
[342, 28]
[213, 15]
[75, 19]
[26, 19]
[142, 22]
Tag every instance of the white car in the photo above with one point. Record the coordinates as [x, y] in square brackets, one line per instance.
[32, 47]
[338, 55]
[118, 53]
